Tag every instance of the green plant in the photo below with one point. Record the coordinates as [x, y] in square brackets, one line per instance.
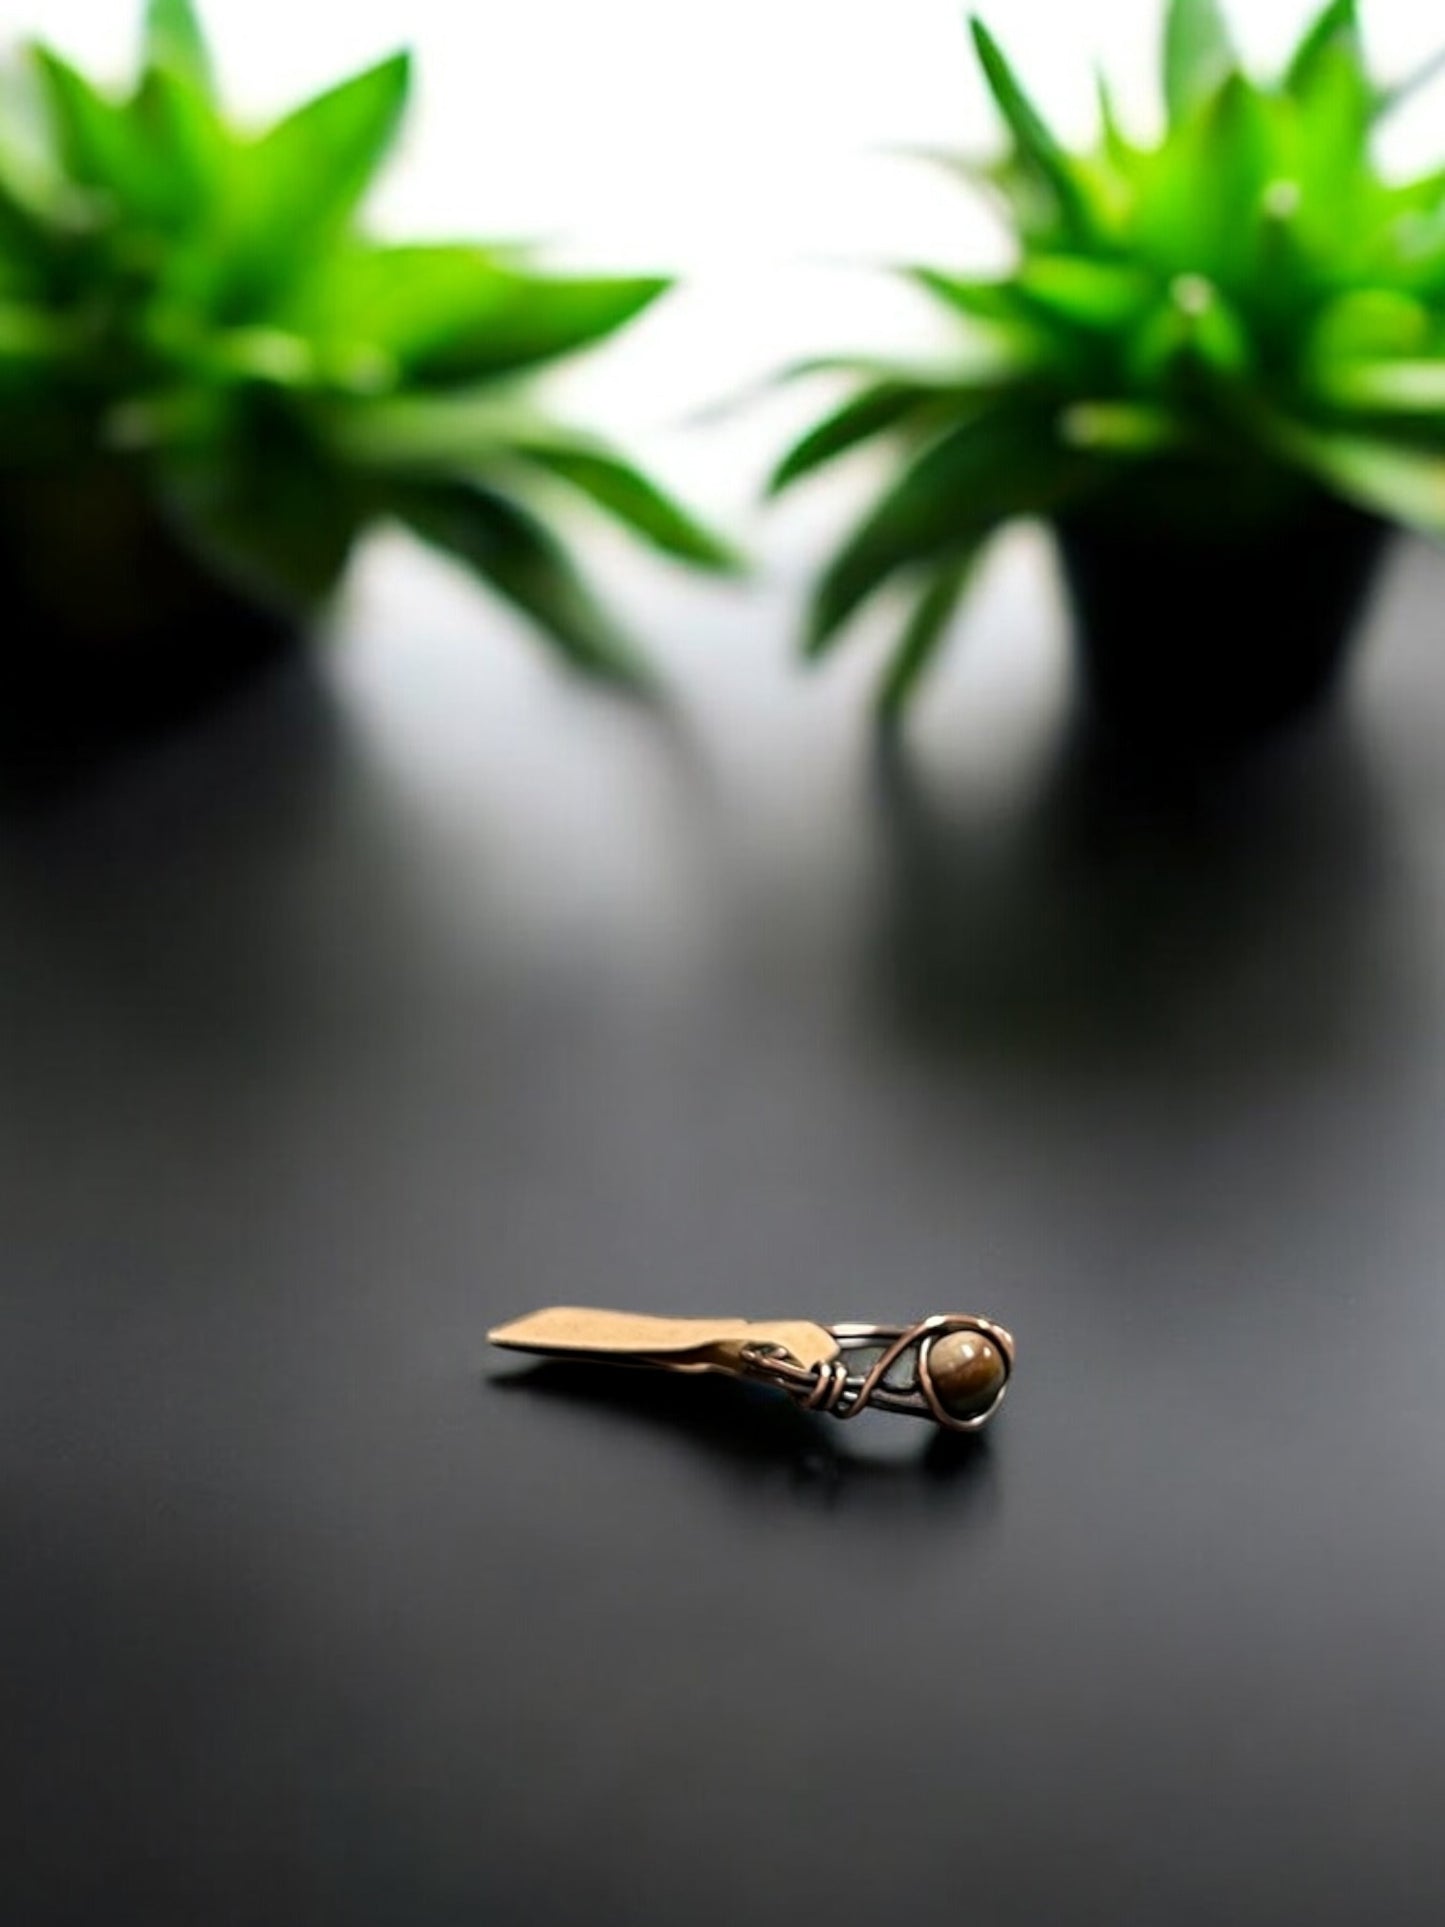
[191, 311]
[1198, 330]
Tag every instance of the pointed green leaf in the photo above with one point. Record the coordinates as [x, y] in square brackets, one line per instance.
[625, 493]
[981, 367]
[1332, 163]
[979, 300]
[188, 144]
[939, 376]
[924, 634]
[1336, 27]
[1199, 55]
[1406, 485]
[1201, 205]
[326, 152]
[155, 157]
[1002, 329]
[1005, 463]
[1092, 295]
[1386, 387]
[98, 145]
[412, 301]
[299, 185]
[529, 319]
[1369, 323]
[507, 545]
[1116, 143]
[455, 314]
[1425, 194]
[1036, 144]
[174, 39]
[877, 409]
[436, 434]
[469, 438]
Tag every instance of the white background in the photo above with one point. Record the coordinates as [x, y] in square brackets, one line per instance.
[716, 139]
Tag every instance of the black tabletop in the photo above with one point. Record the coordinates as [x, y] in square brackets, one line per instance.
[420, 988]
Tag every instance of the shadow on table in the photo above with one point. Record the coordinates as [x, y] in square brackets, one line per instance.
[204, 893]
[751, 1436]
[277, 740]
[1109, 915]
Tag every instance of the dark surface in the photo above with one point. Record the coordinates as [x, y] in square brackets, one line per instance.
[394, 1003]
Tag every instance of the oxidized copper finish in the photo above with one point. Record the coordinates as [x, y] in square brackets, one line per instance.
[809, 1362]
[831, 1387]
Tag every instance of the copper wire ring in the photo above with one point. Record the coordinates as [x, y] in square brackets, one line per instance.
[831, 1387]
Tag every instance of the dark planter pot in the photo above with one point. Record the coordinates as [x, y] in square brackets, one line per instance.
[1207, 636]
[109, 627]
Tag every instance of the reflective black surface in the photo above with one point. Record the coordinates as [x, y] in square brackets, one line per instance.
[409, 995]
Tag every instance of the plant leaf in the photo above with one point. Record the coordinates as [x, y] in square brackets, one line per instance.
[1336, 27]
[529, 319]
[924, 633]
[272, 516]
[510, 548]
[298, 186]
[1387, 387]
[174, 39]
[156, 156]
[1196, 331]
[939, 376]
[1004, 463]
[1407, 485]
[1369, 323]
[1200, 205]
[189, 147]
[1036, 143]
[27, 238]
[993, 300]
[33, 340]
[457, 314]
[883, 405]
[409, 300]
[1199, 55]
[425, 434]
[1121, 428]
[626, 494]
[99, 146]
[1116, 143]
[1003, 323]
[1088, 294]
[1336, 183]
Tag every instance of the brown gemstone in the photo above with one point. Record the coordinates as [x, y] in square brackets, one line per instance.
[968, 1372]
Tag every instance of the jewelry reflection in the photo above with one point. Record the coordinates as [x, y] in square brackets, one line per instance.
[953, 1368]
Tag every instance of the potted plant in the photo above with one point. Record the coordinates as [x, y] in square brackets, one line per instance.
[212, 382]
[1216, 370]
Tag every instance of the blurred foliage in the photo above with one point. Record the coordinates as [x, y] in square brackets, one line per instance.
[1198, 329]
[198, 305]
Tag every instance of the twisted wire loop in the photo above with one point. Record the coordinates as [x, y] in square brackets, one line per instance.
[830, 1387]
